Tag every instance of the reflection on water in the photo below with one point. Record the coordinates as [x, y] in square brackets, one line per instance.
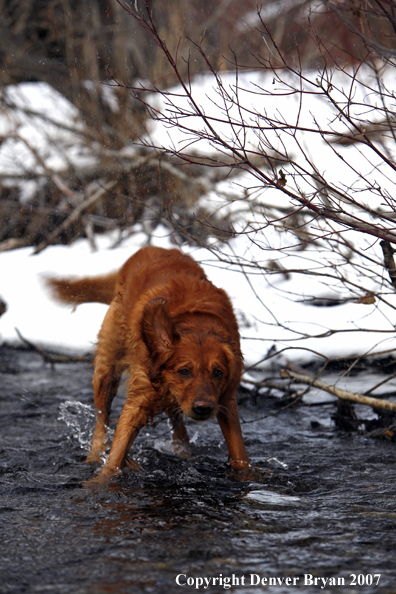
[272, 498]
[327, 510]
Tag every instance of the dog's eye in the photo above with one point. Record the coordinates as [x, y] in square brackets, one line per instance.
[217, 373]
[184, 372]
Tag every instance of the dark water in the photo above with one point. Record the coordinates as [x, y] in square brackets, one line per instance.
[328, 510]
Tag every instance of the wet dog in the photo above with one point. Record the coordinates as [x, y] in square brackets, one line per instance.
[176, 335]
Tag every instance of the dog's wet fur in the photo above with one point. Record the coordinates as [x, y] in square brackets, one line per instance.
[176, 335]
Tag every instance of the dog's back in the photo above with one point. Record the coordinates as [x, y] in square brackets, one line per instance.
[150, 266]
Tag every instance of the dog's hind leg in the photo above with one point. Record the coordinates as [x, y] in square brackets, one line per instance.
[105, 382]
[105, 388]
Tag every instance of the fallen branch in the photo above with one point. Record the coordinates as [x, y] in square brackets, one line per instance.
[270, 384]
[299, 378]
[13, 243]
[52, 359]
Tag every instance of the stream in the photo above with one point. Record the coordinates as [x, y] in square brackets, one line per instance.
[323, 519]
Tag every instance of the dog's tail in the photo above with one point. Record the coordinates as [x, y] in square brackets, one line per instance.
[71, 291]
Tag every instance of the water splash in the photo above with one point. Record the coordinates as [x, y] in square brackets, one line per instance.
[80, 418]
[278, 462]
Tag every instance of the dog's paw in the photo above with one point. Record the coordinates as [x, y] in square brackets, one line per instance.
[182, 449]
[108, 472]
[103, 477]
[93, 456]
[132, 464]
[245, 471]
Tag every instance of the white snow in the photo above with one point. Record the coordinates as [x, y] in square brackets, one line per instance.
[270, 306]
[267, 313]
[41, 129]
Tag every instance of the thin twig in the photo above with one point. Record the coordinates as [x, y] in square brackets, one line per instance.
[74, 216]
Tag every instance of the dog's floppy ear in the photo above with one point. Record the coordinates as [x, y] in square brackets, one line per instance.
[157, 328]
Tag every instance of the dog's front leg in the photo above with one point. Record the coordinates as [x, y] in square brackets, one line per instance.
[181, 442]
[131, 420]
[138, 408]
[242, 469]
[228, 419]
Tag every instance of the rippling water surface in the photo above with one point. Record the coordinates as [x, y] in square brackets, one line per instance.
[326, 512]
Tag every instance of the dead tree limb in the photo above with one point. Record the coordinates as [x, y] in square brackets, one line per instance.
[299, 378]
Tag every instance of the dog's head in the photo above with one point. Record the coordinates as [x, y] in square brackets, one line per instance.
[195, 365]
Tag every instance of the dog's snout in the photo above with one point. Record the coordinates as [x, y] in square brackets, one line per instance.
[202, 408]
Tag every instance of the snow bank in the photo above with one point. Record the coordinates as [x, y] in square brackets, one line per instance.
[274, 308]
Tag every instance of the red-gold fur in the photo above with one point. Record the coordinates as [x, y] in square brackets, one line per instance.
[176, 334]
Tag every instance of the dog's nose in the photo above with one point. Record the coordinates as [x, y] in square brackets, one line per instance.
[202, 408]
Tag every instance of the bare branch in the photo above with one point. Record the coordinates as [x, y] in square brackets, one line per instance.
[74, 216]
[342, 394]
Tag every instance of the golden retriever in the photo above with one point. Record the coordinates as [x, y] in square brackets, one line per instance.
[176, 335]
